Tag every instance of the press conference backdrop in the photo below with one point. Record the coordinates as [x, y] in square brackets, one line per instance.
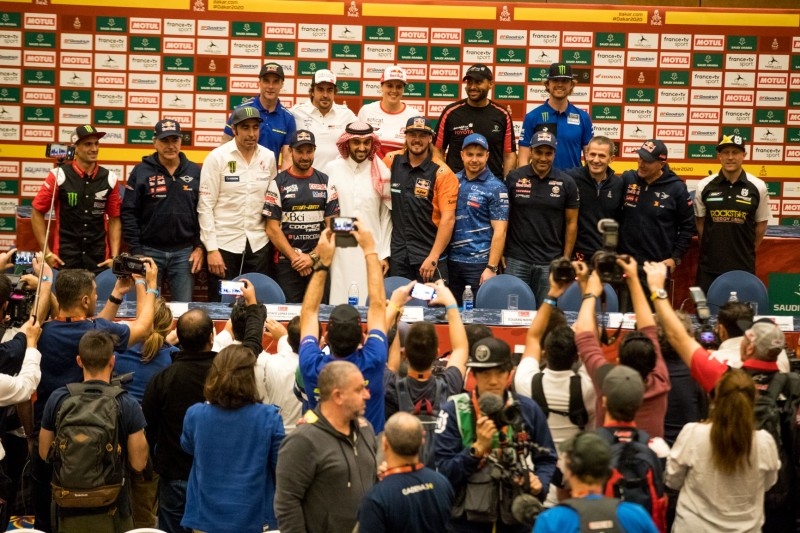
[683, 75]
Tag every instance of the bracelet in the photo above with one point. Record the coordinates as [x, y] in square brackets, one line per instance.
[589, 295]
[114, 300]
[449, 307]
[48, 255]
[140, 282]
[551, 301]
[46, 278]
[152, 291]
[396, 308]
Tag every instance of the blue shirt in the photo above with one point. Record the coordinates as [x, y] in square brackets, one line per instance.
[277, 127]
[562, 519]
[131, 361]
[370, 359]
[480, 201]
[573, 130]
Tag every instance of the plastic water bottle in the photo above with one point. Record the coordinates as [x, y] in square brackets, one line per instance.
[733, 297]
[352, 294]
[468, 301]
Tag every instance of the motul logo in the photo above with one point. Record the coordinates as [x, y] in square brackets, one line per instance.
[31, 20]
[772, 80]
[577, 39]
[407, 34]
[670, 132]
[178, 46]
[26, 132]
[446, 35]
[675, 60]
[143, 100]
[708, 42]
[444, 72]
[145, 26]
[110, 80]
[417, 72]
[74, 60]
[207, 138]
[31, 95]
[33, 58]
[699, 115]
[243, 85]
[278, 30]
[792, 152]
[739, 98]
[8, 169]
[607, 94]
[794, 116]
[30, 188]
[791, 207]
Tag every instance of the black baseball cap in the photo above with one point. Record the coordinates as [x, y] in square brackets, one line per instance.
[240, 114]
[478, 72]
[419, 124]
[489, 353]
[560, 71]
[344, 325]
[302, 137]
[166, 128]
[272, 68]
[87, 130]
[653, 150]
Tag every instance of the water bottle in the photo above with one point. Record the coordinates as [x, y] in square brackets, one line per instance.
[352, 294]
[468, 300]
[733, 297]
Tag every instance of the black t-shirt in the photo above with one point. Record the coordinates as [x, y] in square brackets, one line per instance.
[451, 376]
[537, 221]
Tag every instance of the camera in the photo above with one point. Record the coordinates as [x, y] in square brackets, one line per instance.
[706, 335]
[562, 270]
[124, 265]
[20, 302]
[605, 260]
[22, 261]
[63, 152]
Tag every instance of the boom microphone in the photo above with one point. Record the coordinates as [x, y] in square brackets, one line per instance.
[525, 508]
[490, 404]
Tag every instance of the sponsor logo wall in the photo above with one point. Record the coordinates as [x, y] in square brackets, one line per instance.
[641, 72]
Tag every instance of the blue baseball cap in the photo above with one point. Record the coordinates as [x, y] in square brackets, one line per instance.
[475, 138]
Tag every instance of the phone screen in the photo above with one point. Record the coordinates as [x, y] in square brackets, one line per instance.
[23, 258]
[343, 224]
[707, 337]
[231, 287]
[423, 292]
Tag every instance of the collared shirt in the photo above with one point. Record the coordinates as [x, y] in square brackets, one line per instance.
[277, 126]
[326, 128]
[597, 201]
[480, 201]
[389, 127]
[538, 213]
[232, 197]
[731, 210]
[573, 129]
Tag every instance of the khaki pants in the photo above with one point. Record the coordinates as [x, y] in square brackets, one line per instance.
[144, 497]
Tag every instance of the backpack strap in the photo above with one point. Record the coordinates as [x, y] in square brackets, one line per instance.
[465, 418]
[578, 414]
[404, 402]
[440, 394]
[537, 393]
[596, 514]
[777, 386]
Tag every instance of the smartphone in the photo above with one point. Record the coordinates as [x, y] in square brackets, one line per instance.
[707, 337]
[343, 224]
[23, 258]
[60, 151]
[231, 287]
[421, 291]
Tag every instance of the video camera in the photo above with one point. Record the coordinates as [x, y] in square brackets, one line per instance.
[562, 270]
[706, 335]
[62, 152]
[20, 302]
[605, 260]
[124, 265]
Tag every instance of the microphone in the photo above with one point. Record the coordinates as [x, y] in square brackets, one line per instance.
[490, 404]
[525, 508]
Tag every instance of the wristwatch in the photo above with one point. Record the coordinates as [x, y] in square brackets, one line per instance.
[314, 257]
[493, 268]
[659, 294]
[318, 266]
[473, 452]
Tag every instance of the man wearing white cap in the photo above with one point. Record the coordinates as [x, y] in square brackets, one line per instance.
[389, 115]
[323, 117]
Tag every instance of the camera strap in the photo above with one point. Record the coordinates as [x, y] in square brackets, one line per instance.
[604, 338]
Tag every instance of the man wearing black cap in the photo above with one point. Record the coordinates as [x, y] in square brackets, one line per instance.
[87, 194]
[572, 125]
[488, 427]
[233, 183]
[731, 209]
[478, 114]
[424, 195]
[344, 336]
[296, 207]
[543, 222]
[277, 124]
[159, 211]
[657, 214]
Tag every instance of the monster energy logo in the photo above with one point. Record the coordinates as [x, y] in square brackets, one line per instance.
[88, 128]
[545, 114]
[562, 69]
[72, 199]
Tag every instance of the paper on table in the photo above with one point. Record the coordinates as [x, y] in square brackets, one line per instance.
[510, 317]
[178, 308]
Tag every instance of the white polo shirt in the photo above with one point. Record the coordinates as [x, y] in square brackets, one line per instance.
[326, 128]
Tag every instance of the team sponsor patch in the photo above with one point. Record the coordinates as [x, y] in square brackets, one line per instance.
[232, 179]
[232, 167]
[422, 187]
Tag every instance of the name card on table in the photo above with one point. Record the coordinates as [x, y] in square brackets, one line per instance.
[785, 323]
[413, 314]
[178, 308]
[628, 320]
[515, 317]
[282, 313]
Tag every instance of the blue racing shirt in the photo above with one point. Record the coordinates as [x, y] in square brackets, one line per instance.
[480, 201]
[573, 129]
[277, 127]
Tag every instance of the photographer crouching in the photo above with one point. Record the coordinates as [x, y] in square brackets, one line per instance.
[495, 448]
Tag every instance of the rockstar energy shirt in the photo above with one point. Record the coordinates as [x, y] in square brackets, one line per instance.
[731, 211]
[301, 203]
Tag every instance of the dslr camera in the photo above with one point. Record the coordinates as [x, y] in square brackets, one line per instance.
[124, 265]
[562, 270]
[20, 302]
[706, 335]
[605, 260]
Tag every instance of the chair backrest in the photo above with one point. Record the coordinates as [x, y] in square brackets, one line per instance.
[747, 286]
[105, 281]
[493, 293]
[572, 299]
[267, 289]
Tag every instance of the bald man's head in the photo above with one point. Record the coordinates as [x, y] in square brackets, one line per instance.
[403, 432]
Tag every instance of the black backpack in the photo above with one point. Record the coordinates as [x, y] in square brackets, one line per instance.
[577, 413]
[88, 467]
[779, 418]
[597, 515]
[637, 474]
[426, 411]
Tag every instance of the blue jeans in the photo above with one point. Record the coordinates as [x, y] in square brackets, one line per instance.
[463, 274]
[179, 271]
[536, 275]
[171, 505]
